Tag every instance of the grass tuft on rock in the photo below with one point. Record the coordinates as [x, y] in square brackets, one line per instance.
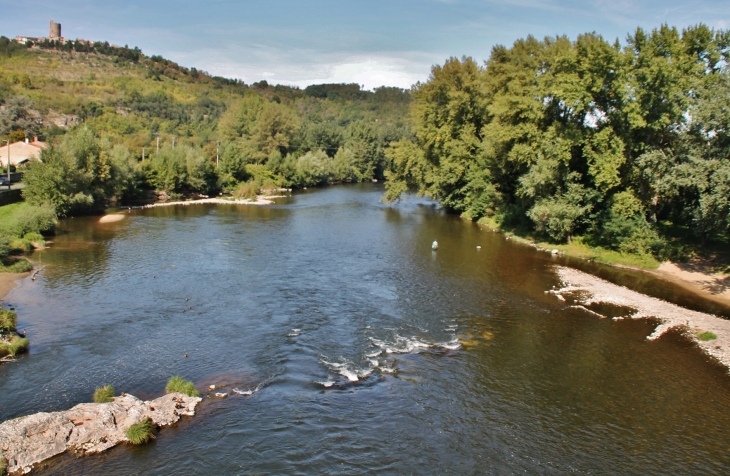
[177, 384]
[104, 394]
[142, 432]
[707, 335]
[13, 345]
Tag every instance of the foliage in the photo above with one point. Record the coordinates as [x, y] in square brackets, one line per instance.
[3, 465]
[22, 219]
[104, 394]
[142, 432]
[247, 190]
[8, 320]
[177, 384]
[568, 138]
[81, 173]
[13, 345]
[180, 169]
[17, 116]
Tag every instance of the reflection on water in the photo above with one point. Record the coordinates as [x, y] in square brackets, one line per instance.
[352, 347]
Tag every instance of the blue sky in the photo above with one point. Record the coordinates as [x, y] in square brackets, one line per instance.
[373, 43]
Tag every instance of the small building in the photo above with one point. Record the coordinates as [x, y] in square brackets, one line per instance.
[24, 40]
[22, 152]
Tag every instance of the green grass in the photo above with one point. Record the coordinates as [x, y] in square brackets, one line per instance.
[141, 432]
[16, 346]
[602, 255]
[8, 320]
[706, 335]
[576, 249]
[104, 394]
[177, 384]
[21, 265]
[3, 466]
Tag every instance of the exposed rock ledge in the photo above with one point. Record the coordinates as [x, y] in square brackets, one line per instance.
[87, 428]
[587, 289]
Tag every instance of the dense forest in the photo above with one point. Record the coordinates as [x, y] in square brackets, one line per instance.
[625, 146]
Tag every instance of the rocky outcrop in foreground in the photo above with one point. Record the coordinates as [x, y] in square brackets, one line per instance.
[87, 428]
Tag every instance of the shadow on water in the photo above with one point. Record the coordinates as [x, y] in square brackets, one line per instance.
[331, 308]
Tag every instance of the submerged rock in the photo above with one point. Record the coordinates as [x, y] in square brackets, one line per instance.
[87, 428]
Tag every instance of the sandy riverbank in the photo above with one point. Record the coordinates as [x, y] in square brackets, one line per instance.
[260, 200]
[698, 278]
[581, 290]
[8, 281]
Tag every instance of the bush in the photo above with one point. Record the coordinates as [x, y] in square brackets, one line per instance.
[19, 266]
[15, 346]
[29, 219]
[247, 190]
[141, 432]
[104, 394]
[8, 320]
[177, 384]
[3, 466]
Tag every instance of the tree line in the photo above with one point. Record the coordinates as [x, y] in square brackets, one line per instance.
[626, 145]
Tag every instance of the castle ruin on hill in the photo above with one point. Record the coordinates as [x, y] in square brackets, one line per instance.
[54, 34]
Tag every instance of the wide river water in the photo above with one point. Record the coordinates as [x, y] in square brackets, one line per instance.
[364, 351]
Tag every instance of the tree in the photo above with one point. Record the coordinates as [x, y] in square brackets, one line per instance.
[18, 115]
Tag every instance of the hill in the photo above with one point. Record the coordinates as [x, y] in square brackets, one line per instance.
[128, 97]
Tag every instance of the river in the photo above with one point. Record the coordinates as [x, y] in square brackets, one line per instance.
[364, 351]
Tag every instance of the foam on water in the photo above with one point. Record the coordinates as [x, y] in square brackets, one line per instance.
[405, 345]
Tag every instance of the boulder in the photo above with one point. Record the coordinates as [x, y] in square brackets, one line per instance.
[87, 428]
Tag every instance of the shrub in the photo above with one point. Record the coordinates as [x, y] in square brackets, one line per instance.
[35, 239]
[104, 394]
[141, 432]
[177, 384]
[247, 190]
[15, 346]
[33, 219]
[8, 320]
[3, 466]
[19, 266]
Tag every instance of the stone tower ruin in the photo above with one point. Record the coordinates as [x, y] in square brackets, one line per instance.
[55, 31]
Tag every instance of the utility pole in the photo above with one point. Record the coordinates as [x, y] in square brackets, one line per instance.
[173, 142]
[217, 152]
[142, 154]
[158, 141]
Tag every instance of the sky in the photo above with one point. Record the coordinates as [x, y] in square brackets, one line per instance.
[369, 42]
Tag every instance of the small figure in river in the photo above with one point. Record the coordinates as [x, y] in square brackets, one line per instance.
[435, 245]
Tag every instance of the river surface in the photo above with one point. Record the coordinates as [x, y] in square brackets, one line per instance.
[363, 350]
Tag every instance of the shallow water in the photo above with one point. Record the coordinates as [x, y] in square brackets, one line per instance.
[331, 308]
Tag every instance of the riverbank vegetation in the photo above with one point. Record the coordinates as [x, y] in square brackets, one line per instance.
[21, 225]
[626, 146]
[177, 384]
[142, 432]
[104, 394]
[614, 151]
[122, 124]
[11, 343]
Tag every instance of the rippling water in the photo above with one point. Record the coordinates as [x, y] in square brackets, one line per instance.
[331, 309]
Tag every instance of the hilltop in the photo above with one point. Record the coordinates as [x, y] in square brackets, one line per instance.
[129, 97]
